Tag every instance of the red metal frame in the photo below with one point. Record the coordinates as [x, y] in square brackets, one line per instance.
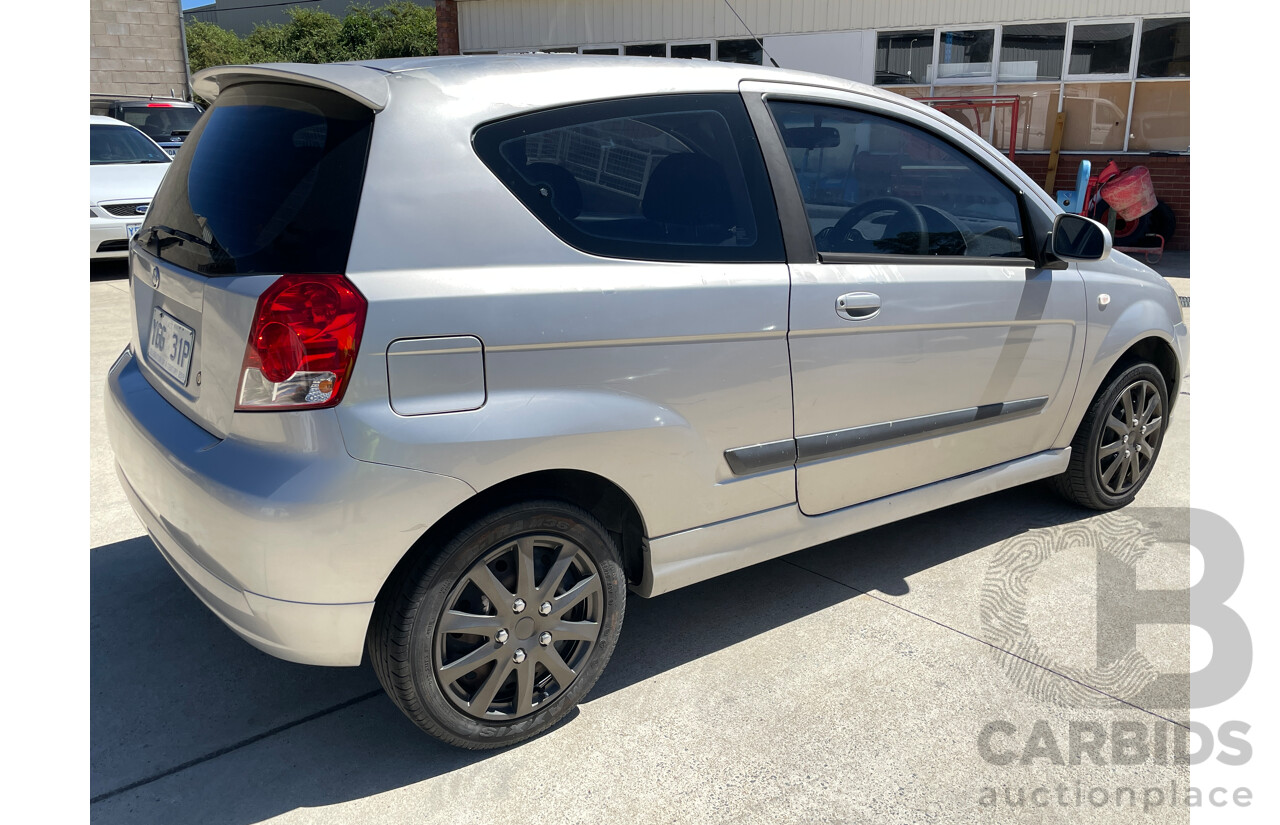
[995, 101]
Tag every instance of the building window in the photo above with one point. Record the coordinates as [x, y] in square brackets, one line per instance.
[1032, 52]
[1096, 116]
[611, 50]
[646, 50]
[1101, 49]
[966, 54]
[1161, 119]
[1166, 48]
[904, 57]
[691, 51]
[1109, 80]
[740, 51]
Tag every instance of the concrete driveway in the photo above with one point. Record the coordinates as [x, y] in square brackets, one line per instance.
[937, 670]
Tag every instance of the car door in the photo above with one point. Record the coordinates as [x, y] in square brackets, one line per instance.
[925, 343]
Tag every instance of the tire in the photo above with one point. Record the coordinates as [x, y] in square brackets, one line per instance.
[1127, 233]
[1097, 477]
[1163, 222]
[440, 676]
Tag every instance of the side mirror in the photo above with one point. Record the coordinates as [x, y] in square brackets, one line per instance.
[1077, 238]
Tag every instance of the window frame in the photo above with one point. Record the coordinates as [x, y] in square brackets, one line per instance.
[967, 80]
[791, 205]
[488, 137]
[933, 87]
[1066, 39]
[1135, 32]
[710, 44]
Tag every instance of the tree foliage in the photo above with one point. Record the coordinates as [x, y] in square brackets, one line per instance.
[398, 29]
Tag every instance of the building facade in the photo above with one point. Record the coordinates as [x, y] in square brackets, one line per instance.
[1118, 70]
[136, 48]
[240, 16]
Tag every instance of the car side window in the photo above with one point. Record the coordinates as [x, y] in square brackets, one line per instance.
[875, 185]
[669, 178]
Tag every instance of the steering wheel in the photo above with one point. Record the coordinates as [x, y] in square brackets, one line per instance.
[944, 224]
[839, 234]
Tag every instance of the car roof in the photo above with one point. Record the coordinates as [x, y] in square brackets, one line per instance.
[103, 120]
[533, 79]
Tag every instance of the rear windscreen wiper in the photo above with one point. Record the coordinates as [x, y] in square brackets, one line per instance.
[178, 237]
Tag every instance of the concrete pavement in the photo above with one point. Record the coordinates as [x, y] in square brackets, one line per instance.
[874, 678]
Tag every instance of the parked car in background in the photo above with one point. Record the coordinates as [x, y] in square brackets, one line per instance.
[167, 121]
[125, 167]
[437, 382]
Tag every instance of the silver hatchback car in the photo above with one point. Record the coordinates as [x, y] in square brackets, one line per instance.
[434, 359]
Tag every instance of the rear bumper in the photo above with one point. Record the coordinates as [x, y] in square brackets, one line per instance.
[289, 542]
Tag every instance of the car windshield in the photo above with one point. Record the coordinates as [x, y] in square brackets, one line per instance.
[160, 120]
[121, 144]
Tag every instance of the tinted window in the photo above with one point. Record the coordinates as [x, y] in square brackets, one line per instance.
[1102, 48]
[1032, 52]
[692, 51]
[269, 183]
[675, 178]
[904, 57]
[160, 121]
[1166, 48]
[740, 51]
[875, 185]
[121, 144]
[965, 53]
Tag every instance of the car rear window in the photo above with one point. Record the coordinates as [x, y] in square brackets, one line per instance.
[160, 120]
[665, 178]
[268, 183]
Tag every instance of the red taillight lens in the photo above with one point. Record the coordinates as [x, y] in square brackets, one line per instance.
[302, 344]
[159, 105]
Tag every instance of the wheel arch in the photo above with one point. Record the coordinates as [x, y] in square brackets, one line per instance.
[1151, 346]
[602, 498]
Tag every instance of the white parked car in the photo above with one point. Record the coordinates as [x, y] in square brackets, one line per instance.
[125, 167]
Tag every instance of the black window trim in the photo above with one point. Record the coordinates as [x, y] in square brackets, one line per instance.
[791, 203]
[487, 136]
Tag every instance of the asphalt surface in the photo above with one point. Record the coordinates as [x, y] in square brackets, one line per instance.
[846, 683]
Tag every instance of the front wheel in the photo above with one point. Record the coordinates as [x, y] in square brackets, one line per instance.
[1118, 441]
[502, 633]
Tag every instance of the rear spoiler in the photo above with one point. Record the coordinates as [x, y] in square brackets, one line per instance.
[362, 84]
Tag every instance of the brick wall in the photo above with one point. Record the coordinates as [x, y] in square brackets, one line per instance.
[447, 27]
[135, 47]
[1171, 177]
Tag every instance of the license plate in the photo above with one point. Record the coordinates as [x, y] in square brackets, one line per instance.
[131, 228]
[170, 345]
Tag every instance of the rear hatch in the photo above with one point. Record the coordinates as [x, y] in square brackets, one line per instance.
[269, 184]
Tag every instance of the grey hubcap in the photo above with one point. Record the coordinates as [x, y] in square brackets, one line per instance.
[497, 661]
[1130, 438]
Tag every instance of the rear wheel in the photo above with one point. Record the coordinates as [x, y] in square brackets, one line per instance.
[502, 633]
[1118, 441]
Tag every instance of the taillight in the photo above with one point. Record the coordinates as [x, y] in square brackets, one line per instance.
[302, 345]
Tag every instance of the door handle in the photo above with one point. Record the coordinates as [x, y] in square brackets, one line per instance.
[858, 306]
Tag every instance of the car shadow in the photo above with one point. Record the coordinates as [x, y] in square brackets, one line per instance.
[176, 696]
[110, 269]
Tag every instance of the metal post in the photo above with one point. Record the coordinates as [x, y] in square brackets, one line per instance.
[186, 59]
